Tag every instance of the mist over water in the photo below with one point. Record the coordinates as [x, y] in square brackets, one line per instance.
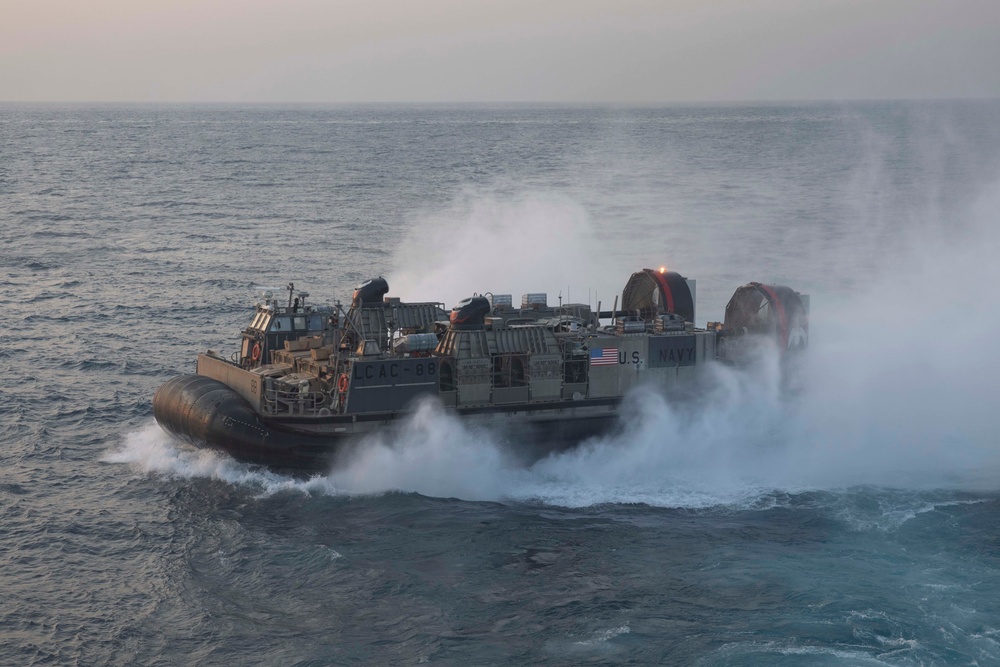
[513, 244]
[901, 375]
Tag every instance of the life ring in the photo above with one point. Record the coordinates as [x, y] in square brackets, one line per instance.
[255, 353]
[343, 382]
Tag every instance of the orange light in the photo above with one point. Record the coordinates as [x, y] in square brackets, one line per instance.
[663, 269]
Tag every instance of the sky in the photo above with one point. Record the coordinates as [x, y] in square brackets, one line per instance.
[558, 51]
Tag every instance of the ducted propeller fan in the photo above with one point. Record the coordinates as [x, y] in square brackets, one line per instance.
[772, 312]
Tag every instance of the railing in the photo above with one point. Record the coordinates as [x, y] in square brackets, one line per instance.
[295, 402]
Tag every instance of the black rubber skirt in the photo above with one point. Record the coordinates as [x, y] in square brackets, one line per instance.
[207, 413]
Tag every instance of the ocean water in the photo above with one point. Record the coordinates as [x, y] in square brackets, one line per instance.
[852, 522]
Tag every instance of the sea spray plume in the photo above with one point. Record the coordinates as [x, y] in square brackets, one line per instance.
[527, 244]
[898, 389]
[430, 453]
[903, 378]
[695, 452]
[152, 450]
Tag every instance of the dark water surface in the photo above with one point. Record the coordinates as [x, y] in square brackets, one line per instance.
[854, 522]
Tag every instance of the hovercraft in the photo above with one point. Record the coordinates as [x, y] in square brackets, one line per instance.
[307, 382]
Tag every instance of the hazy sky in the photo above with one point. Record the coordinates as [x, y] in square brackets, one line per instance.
[497, 50]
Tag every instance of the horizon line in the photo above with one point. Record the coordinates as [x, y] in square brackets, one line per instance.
[522, 103]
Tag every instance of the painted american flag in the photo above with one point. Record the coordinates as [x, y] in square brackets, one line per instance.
[607, 356]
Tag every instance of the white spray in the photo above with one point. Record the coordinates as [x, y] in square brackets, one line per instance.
[534, 243]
